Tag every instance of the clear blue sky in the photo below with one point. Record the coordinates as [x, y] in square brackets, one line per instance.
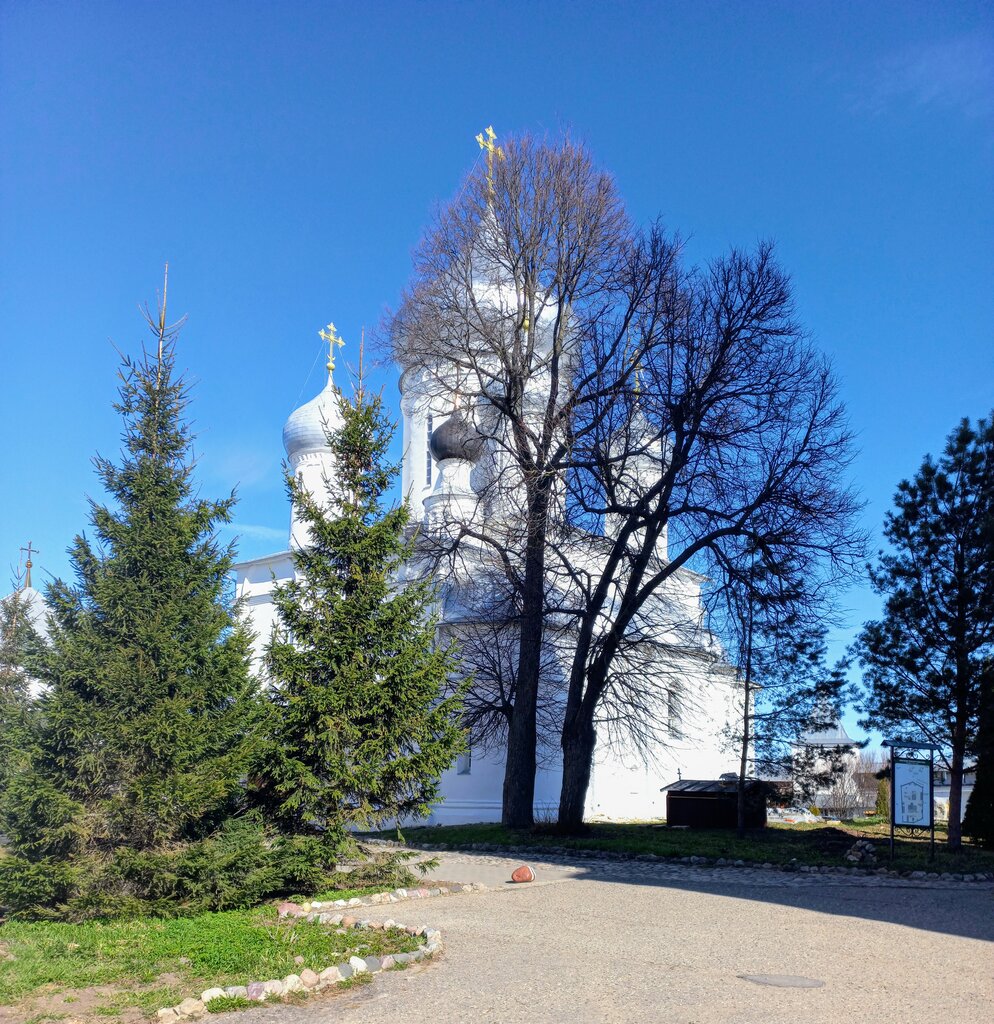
[284, 159]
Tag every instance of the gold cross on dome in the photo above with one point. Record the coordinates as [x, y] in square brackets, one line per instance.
[330, 335]
[488, 141]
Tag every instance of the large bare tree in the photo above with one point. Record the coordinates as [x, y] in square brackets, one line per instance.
[510, 276]
[638, 419]
[728, 433]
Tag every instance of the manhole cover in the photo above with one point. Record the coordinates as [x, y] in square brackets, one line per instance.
[782, 980]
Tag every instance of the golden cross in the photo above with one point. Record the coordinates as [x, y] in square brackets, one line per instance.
[488, 141]
[330, 335]
[29, 550]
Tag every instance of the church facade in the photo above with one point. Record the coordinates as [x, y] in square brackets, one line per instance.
[444, 470]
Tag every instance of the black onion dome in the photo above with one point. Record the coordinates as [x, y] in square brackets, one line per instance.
[456, 438]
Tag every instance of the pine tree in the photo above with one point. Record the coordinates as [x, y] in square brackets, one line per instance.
[149, 708]
[925, 660]
[365, 711]
[978, 821]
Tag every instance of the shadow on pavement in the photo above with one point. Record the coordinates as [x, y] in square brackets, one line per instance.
[965, 909]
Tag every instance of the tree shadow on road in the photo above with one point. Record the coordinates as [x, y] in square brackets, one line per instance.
[963, 909]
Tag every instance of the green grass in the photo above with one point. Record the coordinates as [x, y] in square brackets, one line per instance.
[225, 1003]
[813, 844]
[230, 948]
[330, 895]
[356, 981]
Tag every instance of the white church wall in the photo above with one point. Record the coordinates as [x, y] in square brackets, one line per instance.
[473, 796]
[254, 583]
[626, 784]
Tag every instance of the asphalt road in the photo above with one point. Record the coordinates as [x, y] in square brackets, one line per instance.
[622, 942]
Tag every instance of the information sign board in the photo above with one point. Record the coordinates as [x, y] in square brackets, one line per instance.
[912, 783]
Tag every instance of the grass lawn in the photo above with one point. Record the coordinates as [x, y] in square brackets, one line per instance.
[777, 844]
[128, 969]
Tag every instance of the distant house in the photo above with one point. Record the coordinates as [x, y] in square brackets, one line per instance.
[940, 792]
[827, 772]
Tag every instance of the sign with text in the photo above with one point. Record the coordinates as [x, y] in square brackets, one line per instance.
[912, 798]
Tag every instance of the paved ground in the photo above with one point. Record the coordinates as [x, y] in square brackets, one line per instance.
[617, 942]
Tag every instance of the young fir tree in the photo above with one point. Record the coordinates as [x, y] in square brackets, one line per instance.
[366, 717]
[148, 711]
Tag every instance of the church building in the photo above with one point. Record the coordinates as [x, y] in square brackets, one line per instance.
[444, 462]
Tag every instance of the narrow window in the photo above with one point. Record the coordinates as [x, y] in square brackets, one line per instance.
[464, 763]
[675, 716]
[428, 452]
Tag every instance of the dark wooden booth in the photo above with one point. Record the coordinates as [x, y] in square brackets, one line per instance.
[713, 803]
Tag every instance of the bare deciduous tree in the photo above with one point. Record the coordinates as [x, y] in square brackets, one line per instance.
[638, 421]
[510, 275]
[736, 436]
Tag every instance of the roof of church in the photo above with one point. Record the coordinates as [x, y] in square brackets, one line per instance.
[307, 427]
[834, 736]
[457, 438]
[34, 601]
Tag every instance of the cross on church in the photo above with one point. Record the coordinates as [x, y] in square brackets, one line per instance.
[29, 551]
[488, 142]
[330, 335]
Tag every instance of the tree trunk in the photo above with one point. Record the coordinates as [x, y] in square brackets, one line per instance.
[578, 760]
[579, 738]
[740, 808]
[955, 835]
[522, 733]
[740, 803]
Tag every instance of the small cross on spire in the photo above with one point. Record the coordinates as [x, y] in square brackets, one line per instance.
[332, 337]
[488, 141]
[29, 551]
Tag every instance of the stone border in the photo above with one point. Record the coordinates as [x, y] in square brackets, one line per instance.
[379, 899]
[312, 981]
[537, 852]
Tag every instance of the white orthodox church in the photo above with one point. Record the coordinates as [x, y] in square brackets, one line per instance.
[444, 460]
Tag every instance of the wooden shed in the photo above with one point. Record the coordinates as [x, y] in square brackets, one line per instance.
[713, 803]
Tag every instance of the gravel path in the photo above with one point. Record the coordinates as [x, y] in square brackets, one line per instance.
[609, 941]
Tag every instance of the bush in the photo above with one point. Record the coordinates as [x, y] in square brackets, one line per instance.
[240, 866]
[388, 868]
[883, 798]
[26, 886]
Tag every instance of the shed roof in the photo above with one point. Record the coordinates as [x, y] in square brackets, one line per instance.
[706, 786]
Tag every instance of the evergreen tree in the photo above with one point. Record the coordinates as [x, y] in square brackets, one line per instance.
[365, 713]
[924, 661]
[147, 716]
[978, 821]
[16, 636]
[772, 616]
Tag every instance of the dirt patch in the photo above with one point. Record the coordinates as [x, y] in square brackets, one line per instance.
[127, 1004]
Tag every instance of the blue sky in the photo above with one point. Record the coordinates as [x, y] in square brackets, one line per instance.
[285, 158]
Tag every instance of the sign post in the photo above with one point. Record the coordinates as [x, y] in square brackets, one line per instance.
[912, 790]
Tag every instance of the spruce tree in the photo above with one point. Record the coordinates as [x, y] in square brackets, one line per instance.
[16, 637]
[149, 707]
[366, 716]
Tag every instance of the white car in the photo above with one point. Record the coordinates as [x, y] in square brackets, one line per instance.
[794, 815]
